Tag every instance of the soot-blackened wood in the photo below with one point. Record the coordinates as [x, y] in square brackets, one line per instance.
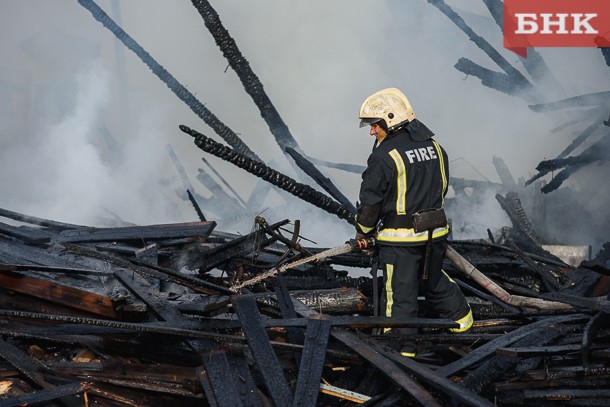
[58, 294]
[512, 310]
[222, 378]
[497, 366]
[312, 362]
[375, 358]
[547, 277]
[429, 376]
[594, 304]
[28, 366]
[176, 87]
[248, 392]
[37, 221]
[282, 295]
[339, 300]
[143, 290]
[167, 231]
[300, 190]
[241, 246]
[310, 169]
[204, 380]
[264, 356]
[26, 233]
[248, 78]
[45, 396]
[490, 347]
[160, 273]
[589, 333]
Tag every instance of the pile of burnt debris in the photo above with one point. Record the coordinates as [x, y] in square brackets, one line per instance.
[147, 316]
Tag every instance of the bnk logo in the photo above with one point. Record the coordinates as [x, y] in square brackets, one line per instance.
[554, 23]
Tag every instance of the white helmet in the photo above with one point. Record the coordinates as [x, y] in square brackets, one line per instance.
[388, 104]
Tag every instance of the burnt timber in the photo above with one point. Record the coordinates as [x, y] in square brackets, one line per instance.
[82, 322]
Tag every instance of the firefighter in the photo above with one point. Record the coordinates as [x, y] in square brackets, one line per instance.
[407, 174]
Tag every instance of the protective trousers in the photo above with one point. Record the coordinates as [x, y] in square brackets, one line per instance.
[402, 271]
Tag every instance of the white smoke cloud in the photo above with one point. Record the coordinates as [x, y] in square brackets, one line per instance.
[317, 60]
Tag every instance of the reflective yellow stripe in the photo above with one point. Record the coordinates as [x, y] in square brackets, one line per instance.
[465, 323]
[447, 275]
[408, 354]
[389, 295]
[441, 160]
[401, 182]
[409, 235]
[364, 228]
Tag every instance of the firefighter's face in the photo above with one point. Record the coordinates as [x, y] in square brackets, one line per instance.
[378, 132]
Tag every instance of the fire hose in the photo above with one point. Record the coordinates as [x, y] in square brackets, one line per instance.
[353, 245]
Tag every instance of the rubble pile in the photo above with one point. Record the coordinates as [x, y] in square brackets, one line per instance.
[145, 316]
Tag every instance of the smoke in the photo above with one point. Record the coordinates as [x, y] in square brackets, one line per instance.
[84, 123]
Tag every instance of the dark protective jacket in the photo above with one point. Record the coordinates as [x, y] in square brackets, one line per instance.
[403, 176]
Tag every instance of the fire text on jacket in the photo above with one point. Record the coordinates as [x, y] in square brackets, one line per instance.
[421, 154]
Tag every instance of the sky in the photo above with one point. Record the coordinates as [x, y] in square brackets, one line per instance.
[85, 125]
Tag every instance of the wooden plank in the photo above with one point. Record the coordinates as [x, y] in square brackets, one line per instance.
[26, 233]
[312, 362]
[538, 351]
[204, 379]
[164, 231]
[248, 392]
[490, 347]
[222, 379]
[147, 293]
[47, 395]
[265, 358]
[58, 293]
[26, 365]
[416, 390]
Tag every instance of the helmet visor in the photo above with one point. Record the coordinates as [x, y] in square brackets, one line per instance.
[368, 121]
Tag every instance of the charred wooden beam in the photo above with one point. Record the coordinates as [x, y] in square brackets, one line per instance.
[489, 348]
[312, 362]
[305, 192]
[37, 221]
[26, 234]
[326, 184]
[157, 232]
[264, 356]
[512, 206]
[45, 396]
[505, 176]
[515, 76]
[499, 81]
[222, 378]
[289, 242]
[385, 359]
[195, 204]
[534, 64]
[248, 78]
[550, 281]
[590, 130]
[590, 331]
[172, 83]
[239, 247]
[498, 365]
[157, 272]
[30, 367]
[59, 294]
